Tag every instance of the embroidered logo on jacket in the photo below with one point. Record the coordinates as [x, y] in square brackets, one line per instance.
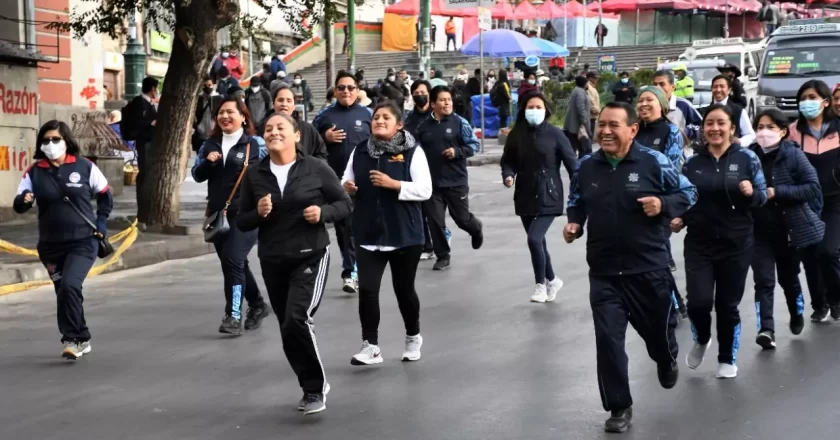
[397, 158]
[633, 177]
[74, 179]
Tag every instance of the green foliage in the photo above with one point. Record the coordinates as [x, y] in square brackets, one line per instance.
[642, 77]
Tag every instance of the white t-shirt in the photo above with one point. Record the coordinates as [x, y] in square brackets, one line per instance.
[281, 172]
[228, 141]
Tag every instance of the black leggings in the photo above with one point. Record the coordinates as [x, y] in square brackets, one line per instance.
[537, 227]
[403, 263]
[822, 261]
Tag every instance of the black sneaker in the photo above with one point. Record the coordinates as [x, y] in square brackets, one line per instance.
[314, 403]
[766, 339]
[683, 312]
[619, 420]
[797, 323]
[668, 374]
[255, 315]
[441, 264]
[820, 315]
[478, 239]
[835, 312]
[673, 265]
[231, 326]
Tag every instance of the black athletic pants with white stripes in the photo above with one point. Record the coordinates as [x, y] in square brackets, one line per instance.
[643, 300]
[295, 288]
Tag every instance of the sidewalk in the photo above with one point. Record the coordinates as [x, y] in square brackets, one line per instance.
[491, 156]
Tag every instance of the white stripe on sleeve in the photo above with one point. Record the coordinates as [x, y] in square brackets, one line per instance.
[98, 182]
[25, 184]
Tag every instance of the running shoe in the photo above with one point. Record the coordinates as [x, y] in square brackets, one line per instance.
[303, 400]
[766, 339]
[350, 285]
[835, 312]
[441, 264]
[231, 326]
[255, 315]
[314, 403]
[412, 348]
[478, 238]
[553, 287]
[820, 315]
[683, 313]
[619, 421]
[539, 295]
[427, 255]
[672, 265]
[797, 323]
[74, 350]
[668, 374]
[368, 355]
[697, 354]
[727, 371]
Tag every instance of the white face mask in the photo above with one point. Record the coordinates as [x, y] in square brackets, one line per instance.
[225, 54]
[255, 89]
[54, 151]
[768, 139]
[297, 81]
[391, 77]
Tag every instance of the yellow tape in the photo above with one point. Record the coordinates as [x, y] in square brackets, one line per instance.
[128, 237]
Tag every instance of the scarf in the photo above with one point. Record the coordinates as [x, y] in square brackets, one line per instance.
[401, 141]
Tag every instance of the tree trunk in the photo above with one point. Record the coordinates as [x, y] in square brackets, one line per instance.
[328, 37]
[158, 200]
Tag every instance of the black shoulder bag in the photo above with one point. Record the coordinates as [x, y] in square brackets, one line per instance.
[105, 248]
[216, 225]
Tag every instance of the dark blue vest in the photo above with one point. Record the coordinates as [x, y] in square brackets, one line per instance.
[379, 217]
[57, 221]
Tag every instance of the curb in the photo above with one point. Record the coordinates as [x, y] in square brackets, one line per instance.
[486, 159]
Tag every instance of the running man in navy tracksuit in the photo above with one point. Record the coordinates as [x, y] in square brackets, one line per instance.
[658, 133]
[789, 221]
[219, 162]
[66, 244]
[719, 241]
[624, 191]
[344, 125]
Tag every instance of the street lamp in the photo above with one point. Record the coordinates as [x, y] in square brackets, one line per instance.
[134, 60]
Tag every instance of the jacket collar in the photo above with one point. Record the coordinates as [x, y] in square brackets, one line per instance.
[244, 139]
[265, 163]
[732, 148]
[655, 123]
[632, 155]
[45, 163]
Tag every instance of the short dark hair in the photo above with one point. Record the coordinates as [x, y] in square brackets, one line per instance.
[632, 117]
[278, 88]
[330, 93]
[392, 107]
[590, 75]
[724, 108]
[345, 74]
[247, 123]
[776, 116]
[149, 84]
[667, 74]
[280, 115]
[223, 72]
[477, 72]
[624, 73]
[421, 82]
[207, 78]
[65, 132]
[437, 90]
[586, 66]
[520, 115]
[722, 77]
[256, 80]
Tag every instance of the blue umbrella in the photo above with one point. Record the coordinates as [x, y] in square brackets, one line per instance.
[550, 49]
[502, 43]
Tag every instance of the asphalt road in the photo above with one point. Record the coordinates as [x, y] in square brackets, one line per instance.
[494, 365]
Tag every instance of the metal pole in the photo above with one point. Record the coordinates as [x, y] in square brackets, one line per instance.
[351, 34]
[637, 27]
[250, 44]
[566, 23]
[425, 43]
[481, 68]
[726, 21]
[584, 23]
[135, 61]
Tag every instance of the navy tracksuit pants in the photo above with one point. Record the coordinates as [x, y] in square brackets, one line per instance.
[68, 265]
[643, 300]
[233, 253]
[716, 274]
[773, 255]
[822, 261]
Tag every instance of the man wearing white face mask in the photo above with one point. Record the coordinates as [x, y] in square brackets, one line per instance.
[532, 156]
[257, 99]
[303, 96]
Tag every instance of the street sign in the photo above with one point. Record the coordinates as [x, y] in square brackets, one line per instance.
[606, 63]
[468, 4]
[485, 19]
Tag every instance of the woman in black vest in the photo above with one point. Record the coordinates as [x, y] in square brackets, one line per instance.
[220, 162]
[290, 196]
[390, 177]
[67, 245]
[532, 157]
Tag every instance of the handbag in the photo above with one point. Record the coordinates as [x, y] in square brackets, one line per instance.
[216, 225]
[105, 248]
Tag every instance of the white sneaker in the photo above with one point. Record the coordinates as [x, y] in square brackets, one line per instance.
[697, 354]
[350, 285]
[554, 286]
[73, 351]
[539, 295]
[412, 348]
[727, 371]
[368, 355]
[427, 255]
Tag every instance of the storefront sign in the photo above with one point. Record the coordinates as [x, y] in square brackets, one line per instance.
[160, 42]
[113, 61]
[606, 63]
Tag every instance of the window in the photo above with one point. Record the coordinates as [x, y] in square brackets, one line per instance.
[802, 61]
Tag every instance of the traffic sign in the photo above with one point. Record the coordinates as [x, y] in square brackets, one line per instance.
[485, 19]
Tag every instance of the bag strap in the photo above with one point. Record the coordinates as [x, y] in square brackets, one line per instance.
[241, 173]
[66, 199]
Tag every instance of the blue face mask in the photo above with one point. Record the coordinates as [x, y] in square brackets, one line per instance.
[625, 80]
[535, 116]
[810, 109]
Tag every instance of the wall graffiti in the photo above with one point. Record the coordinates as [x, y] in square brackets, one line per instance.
[18, 102]
[15, 159]
[89, 92]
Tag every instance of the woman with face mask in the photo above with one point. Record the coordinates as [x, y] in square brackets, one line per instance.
[232, 146]
[63, 183]
[788, 222]
[817, 131]
[531, 160]
[528, 84]
[290, 197]
[719, 242]
[390, 177]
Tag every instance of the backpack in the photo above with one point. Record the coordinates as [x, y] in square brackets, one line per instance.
[497, 95]
[765, 14]
[128, 124]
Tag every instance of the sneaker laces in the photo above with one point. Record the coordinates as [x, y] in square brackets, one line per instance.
[412, 343]
[311, 397]
[368, 349]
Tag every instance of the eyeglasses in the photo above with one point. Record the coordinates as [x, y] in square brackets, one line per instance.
[54, 140]
[343, 87]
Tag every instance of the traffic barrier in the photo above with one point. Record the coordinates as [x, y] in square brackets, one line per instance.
[127, 236]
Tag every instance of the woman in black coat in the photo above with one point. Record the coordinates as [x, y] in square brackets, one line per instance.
[787, 222]
[532, 156]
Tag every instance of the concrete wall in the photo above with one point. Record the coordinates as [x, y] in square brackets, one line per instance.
[54, 79]
[18, 126]
[86, 74]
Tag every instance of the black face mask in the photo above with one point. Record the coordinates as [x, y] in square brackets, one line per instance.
[420, 100]
[208, 90]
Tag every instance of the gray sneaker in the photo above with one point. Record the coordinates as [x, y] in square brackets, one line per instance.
[302, 404]
[412, 348]
[697, 354]
[314, 403]
[74, 350]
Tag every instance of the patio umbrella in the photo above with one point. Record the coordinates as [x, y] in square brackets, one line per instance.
[500, 43]
[550, 49]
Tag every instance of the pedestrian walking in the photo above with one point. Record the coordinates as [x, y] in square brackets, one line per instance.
[62, 182]
[222, 161]
[500, 96]
[719, 241]
[289, 197]
[258, 99]
[629, 279]
[343, 126]
[205, 113]
[594, 100]
[311, 143]
[817, 131]
[531, 160]
[389, 175]
[576, 124]
[449, 141]
[624, 90]
[789, 221]
[449, 30]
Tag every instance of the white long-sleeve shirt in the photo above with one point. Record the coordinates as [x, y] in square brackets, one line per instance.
[747, 132]
[418, 190]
